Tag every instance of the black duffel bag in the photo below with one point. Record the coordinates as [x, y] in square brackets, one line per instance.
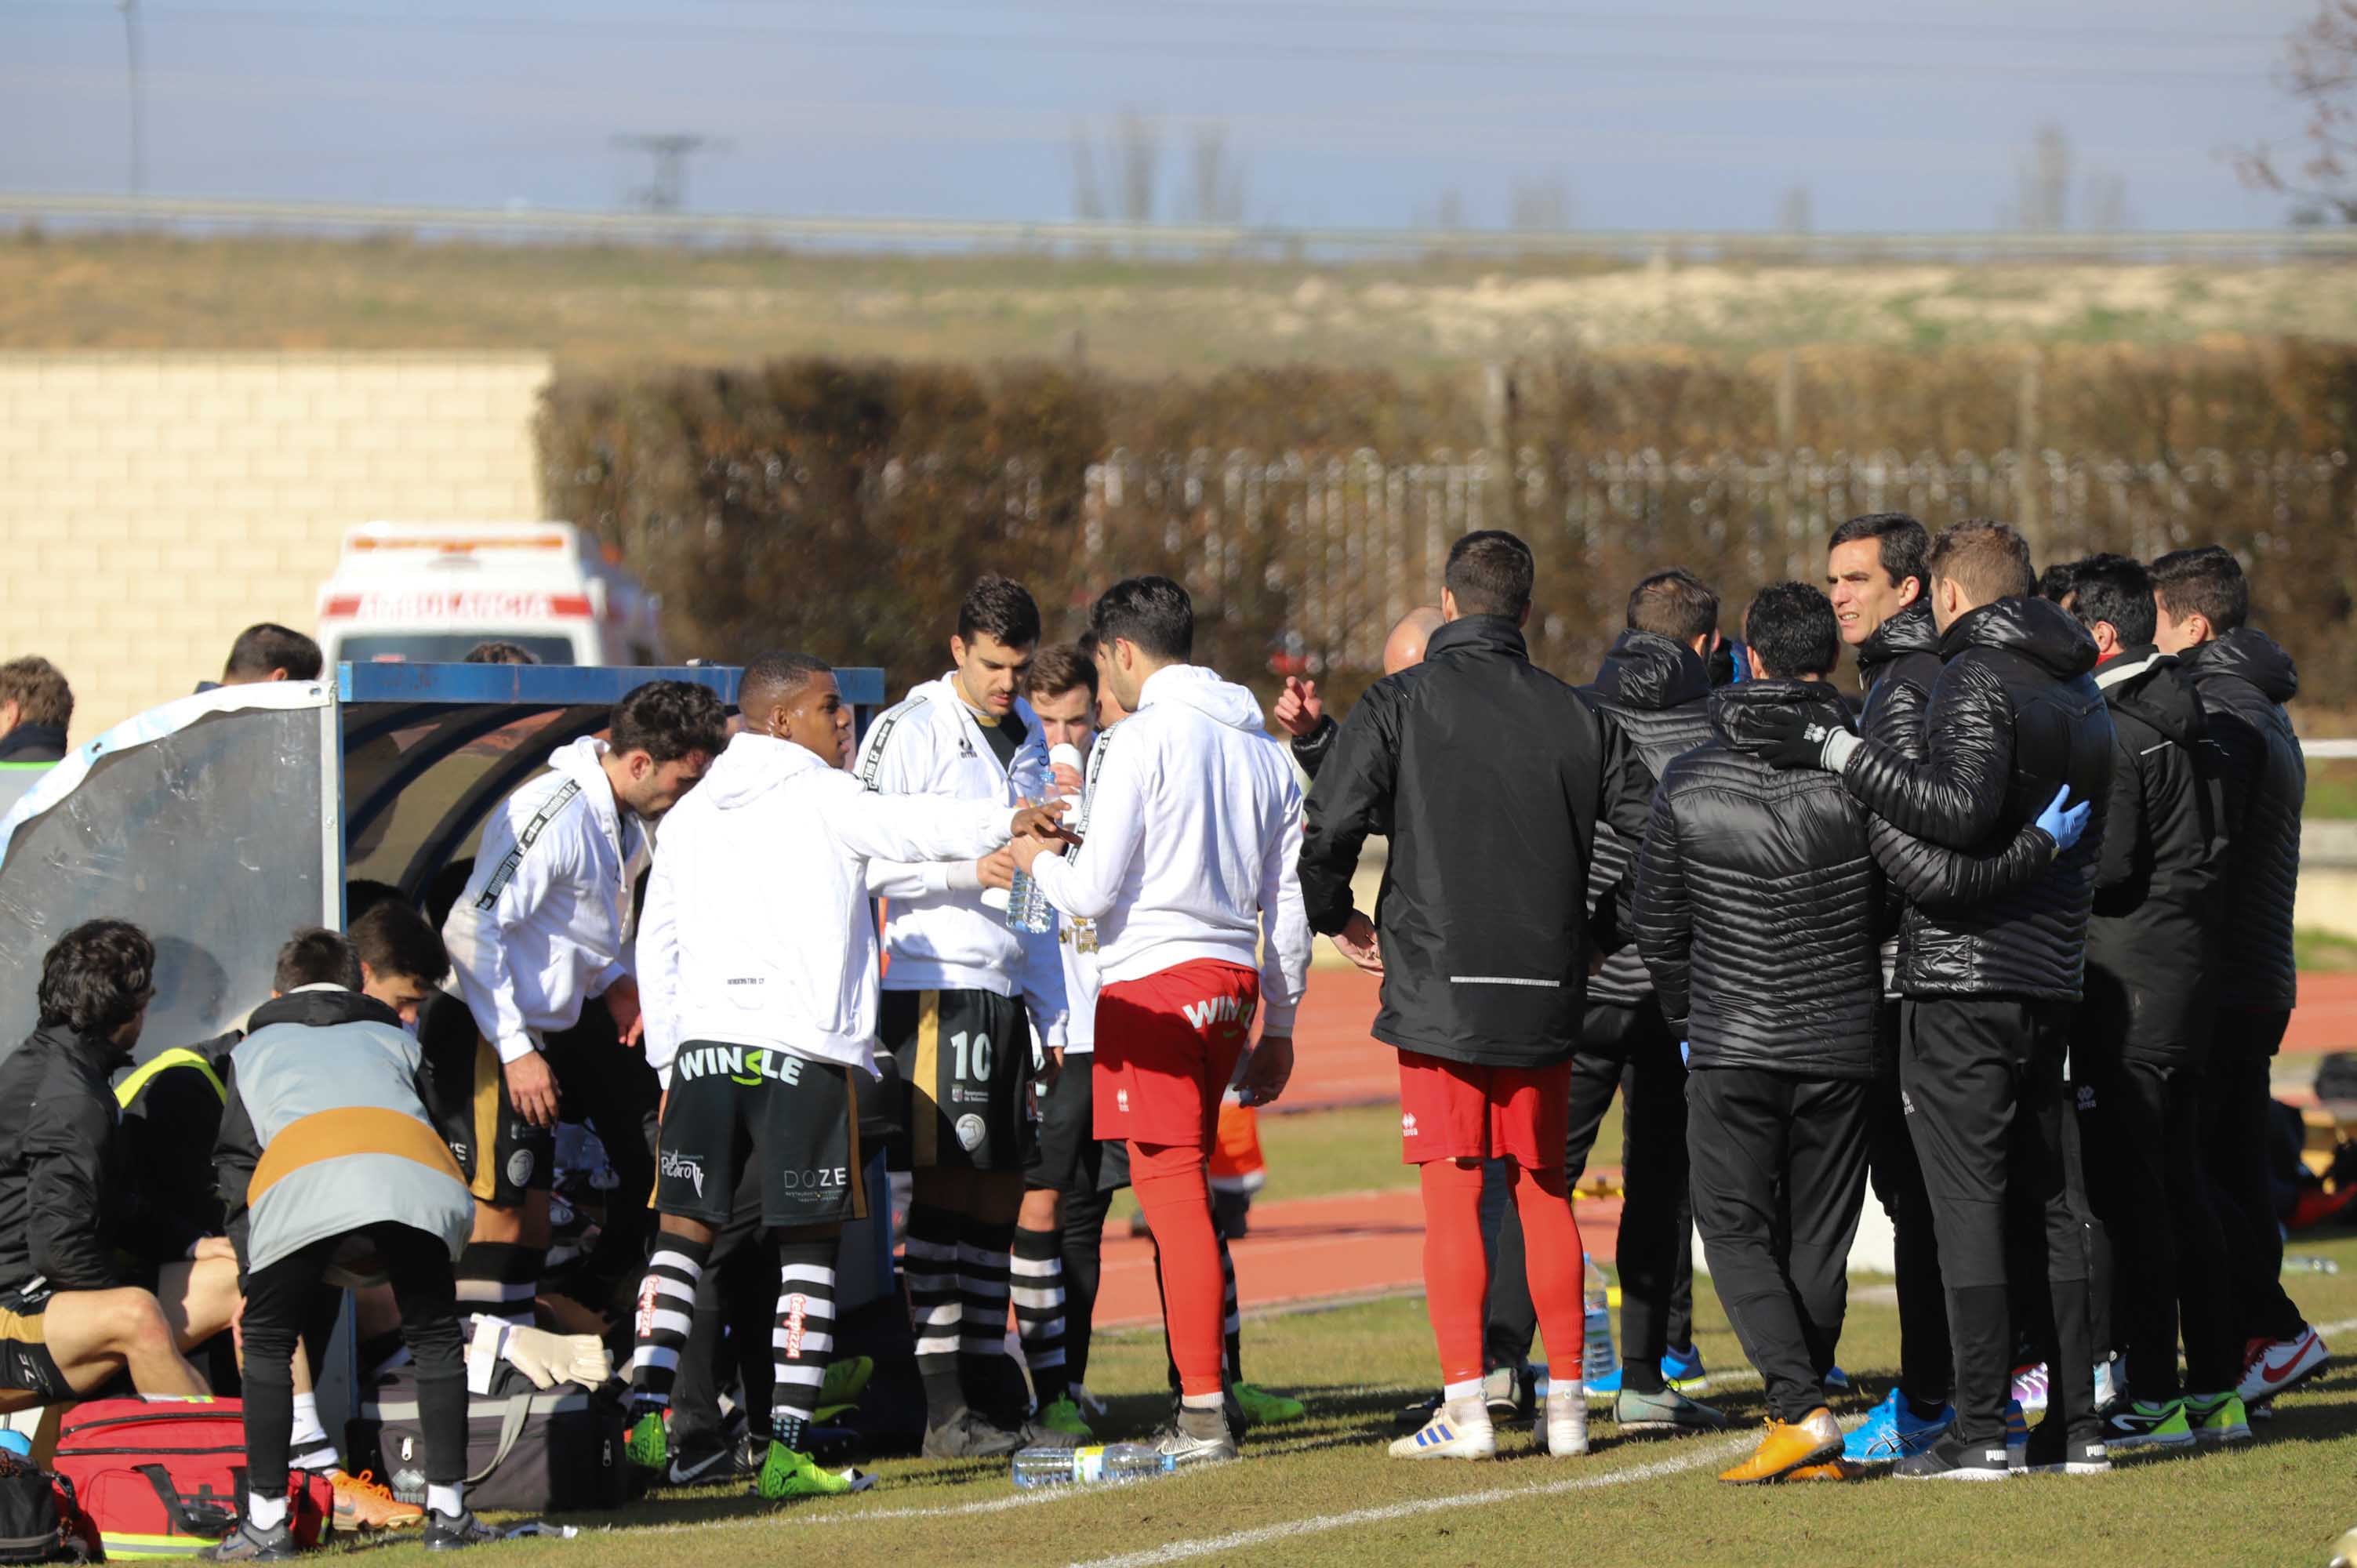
[528, 1450]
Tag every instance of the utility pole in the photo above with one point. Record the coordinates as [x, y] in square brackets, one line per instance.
[666, 190]
[130, 9]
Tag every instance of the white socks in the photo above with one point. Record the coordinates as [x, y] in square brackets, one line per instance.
[448, 1501]
[265, 1513]
[309, 1447]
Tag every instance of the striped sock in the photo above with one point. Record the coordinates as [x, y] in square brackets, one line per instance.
[984, 1268]
[801, 1343]
[666, 1313]
[499, 1279]
[930, 1265]
[1232, 1318]
[1038, 1280]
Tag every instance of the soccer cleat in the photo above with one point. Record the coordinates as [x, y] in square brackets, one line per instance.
[1788, 1447]
[2145, 1424]
[1836, 1382]
[362, 1502]
[845, 1379]
[2274, 1369]
[1460, 1429]
[1950, 1459]
[2062, 1455]
[649, 1445]
[1196, 1437]
[1262, 1408]
[1064, 1416]
[248, 1544]
[1561, 1426]
[966, 1435]
[1508, 1390]
[1037, 1434]
[1892, 1431]
[1604, 1388]
[455, 1532]
[2109, 1388]
[1831, 1470]
[1668, 1412]
[787, 1473]
[732, 1463]
[2029, 1388]
[2218, 1419]
[1682, 1369]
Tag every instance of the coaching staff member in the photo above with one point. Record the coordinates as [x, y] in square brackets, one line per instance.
[1490, 776]
[1992, 986]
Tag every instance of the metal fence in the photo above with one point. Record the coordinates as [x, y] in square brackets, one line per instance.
[1349, 542]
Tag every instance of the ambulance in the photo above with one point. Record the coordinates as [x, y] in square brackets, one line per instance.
[420, 593]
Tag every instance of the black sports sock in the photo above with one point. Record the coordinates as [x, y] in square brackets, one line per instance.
[666, 1313]
[931, 1269]
[802, 1339]
[984, 1268]
[1037, 1282]
[499, 1278]
[1232, 1317]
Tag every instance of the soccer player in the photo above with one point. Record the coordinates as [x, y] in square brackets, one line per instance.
[1489, 775]
[963, 996]
[759, 956]
[539, 941]
[1187, 868]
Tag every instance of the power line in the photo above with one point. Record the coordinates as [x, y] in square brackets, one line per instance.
[1217, 51]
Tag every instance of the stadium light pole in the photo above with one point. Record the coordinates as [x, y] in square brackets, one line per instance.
[130, 9]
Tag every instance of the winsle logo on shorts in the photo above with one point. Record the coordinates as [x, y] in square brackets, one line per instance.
[1218, 1010]
[1407, 1124]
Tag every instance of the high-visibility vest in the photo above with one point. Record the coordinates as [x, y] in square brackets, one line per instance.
[179, 1056]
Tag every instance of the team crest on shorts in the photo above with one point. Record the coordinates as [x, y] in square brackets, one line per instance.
[520, 1166]
[971, 1130]
[1407, 1124]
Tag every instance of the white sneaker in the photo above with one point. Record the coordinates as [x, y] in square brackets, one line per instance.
[1458, 1430]
[2277, 1367]
[1562, 1426]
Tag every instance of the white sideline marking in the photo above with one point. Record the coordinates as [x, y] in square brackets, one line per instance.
[1180, 1550]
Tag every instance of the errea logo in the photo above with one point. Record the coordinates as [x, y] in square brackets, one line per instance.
[1407, 1124]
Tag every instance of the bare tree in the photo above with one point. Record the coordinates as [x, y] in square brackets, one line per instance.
[1138, 148]
[1215, 179]
[2320, 74]
[1796, 211]
[1539, 206]
[1087, 183]
[2108, 202]
[2041, 180]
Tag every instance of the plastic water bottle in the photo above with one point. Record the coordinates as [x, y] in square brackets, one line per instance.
[1028, 910]
[1601, 1360]
[2310, 1263]
[1109, 1463]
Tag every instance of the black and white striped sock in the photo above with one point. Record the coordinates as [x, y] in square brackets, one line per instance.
[930, 1265]
[499, 1279]
[801, 1342]
[666, 1313]
[983, 1269]
[1234, 1318]
[1038, 1290]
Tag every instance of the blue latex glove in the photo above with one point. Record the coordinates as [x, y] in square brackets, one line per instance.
[1686, 1054]
[2062, 824]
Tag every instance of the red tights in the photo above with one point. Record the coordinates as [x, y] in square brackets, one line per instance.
[1457, 1266]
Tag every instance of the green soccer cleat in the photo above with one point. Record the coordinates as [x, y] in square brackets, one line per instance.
[1264, 1409]
[1064, 1416]
[2147, 1425]
[787, 1473]
[846, 1378]
[649, 1445]
[2218, 1419]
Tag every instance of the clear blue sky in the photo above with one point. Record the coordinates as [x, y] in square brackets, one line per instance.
[1686, 114]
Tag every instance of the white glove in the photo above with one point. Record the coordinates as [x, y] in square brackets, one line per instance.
[549, 1360]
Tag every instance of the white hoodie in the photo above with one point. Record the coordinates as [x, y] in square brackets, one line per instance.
[757, 930]
[540, 928]
[1194, 836]
[938, 933]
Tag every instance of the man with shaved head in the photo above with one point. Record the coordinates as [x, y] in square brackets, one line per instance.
[759, 962]
[1301, 713]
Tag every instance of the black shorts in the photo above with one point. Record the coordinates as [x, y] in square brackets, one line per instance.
[964, 1061]
[1071, 1158]
[25, 1359]
[737, 1107]
[501, 1155]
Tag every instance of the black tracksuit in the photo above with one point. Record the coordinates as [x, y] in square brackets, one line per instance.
[1991, 981]
[1310, 750]
[1897, 663]
[1759, 912]
[2243, 679]
[1656, 690]
[34, 743]
[2139, 1042]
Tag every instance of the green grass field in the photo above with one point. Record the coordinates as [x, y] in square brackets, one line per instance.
[1325, 1492]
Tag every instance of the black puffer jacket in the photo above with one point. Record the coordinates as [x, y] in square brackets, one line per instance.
[1759, 906]
[63, 1199]
[2243, 679]
[2151, 944]
[1898, 664]
[1309, 750]
[1490, 775]
[2014, 716]
[1658, 690]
